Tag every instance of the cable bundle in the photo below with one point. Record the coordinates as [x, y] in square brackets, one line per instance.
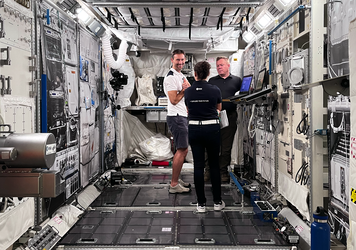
[303, 126]
[302, 175]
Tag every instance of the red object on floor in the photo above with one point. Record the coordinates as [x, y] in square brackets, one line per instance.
[161, 163]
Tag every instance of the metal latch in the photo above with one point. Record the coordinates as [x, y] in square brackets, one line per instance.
[34, 84]
[8, 90]
[33, 59]
[6, 61]
[2, 32]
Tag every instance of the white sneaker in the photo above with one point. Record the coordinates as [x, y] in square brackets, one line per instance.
[178, 189]
[219, 206]
[201, 208]
[184, 184]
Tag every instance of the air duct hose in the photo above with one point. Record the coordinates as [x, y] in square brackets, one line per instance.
[108, 53]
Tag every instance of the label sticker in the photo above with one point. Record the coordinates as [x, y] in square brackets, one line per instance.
[353, 147]
[50, 149]
[57, 220]
[166, 229]
[299, 229]
[353, 195]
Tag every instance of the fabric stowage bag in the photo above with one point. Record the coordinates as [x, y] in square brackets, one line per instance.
[224, 122]
[157, 148]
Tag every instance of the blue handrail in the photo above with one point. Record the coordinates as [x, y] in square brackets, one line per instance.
[287, 18]
[237, 183]
[48, 17]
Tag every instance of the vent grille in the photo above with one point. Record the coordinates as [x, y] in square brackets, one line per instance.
[274, 10]
[255, 30]
[70, 5]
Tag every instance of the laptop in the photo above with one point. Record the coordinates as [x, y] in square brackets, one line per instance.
[260, 83]
[260, 80]
[245, 88]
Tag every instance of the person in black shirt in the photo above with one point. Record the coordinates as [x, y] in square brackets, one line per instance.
[228, 85]
[203, 102]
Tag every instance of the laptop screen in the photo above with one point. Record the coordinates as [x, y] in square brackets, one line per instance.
[245, 85]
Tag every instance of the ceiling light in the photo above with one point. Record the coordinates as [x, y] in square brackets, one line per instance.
[286, 2]
[83, 16]
[78, 10]
[247, 36]
[235, 34]
[264, 21]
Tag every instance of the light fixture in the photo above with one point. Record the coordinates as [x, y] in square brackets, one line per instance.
[235, 34]
[264, 21]
[247, 36]
[78, 10]
[286, 2]
[82, 15]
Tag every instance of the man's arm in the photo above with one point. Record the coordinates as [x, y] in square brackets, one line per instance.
[175, 97]
[219, 106]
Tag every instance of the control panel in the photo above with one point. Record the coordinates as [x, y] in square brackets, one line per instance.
[286, 230]
[265, 211]
[45, 239]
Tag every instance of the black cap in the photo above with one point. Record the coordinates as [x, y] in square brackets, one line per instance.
[320, 213]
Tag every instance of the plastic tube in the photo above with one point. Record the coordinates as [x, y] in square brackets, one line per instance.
[108, 53]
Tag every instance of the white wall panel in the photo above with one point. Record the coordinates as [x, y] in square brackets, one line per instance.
[352, 176]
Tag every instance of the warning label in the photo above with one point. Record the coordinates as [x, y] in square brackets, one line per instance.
[353, 195]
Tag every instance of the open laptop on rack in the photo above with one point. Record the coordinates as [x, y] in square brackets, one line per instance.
[245, 88]
[260, 83]
[260, 80]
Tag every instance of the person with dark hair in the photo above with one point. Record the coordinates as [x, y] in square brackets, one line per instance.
[174, 85]
[203, 102]
[228, 85]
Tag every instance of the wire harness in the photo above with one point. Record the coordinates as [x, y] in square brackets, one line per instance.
[303, 126]
[302, 175]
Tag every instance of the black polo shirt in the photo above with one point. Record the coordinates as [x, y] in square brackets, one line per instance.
[228, 87]
[201, 100]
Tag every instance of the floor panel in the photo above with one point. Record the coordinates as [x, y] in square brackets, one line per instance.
[145, 214]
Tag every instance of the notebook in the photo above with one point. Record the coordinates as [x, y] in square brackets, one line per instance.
[245, 88]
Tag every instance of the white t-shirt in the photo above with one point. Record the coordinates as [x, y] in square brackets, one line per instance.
[174, 81]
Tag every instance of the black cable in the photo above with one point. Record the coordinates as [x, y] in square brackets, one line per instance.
[303, 126]
[302, 175]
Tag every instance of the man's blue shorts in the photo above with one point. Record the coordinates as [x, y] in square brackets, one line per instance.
[178, 125]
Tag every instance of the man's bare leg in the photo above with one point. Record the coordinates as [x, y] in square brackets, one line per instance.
[177, 165]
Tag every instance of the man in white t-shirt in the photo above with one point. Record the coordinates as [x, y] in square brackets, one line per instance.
[177, 118]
